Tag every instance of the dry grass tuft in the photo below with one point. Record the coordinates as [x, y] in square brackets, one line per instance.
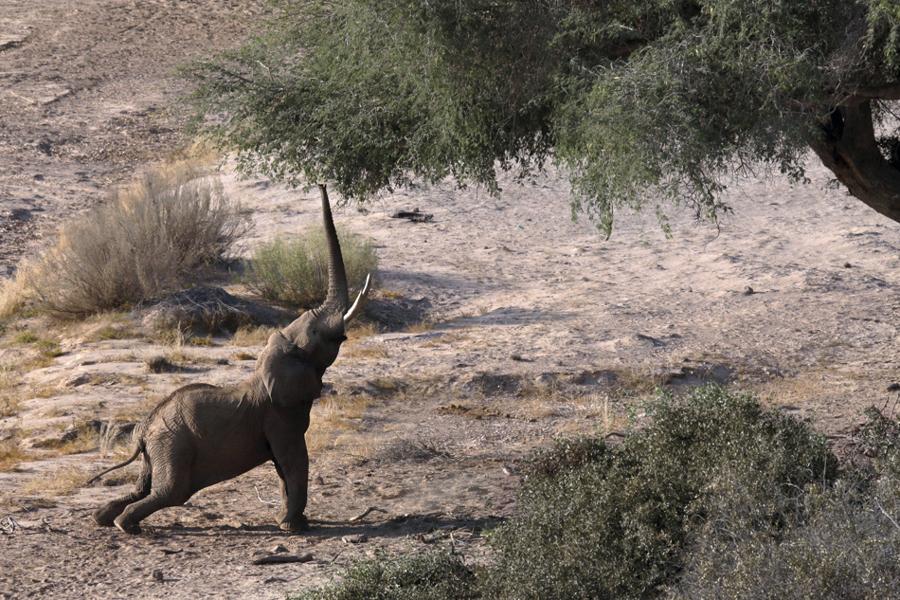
[243, 356]
[420, 327]
[150, 237]
[63, 481]
[11, 453]
[295, 271]
[252, 336]
[332, 415]
[160, 364]
[10, 396]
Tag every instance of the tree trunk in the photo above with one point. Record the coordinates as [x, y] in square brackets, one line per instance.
[847, 146]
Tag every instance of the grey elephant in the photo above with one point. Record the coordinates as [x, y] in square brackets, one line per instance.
[203, 434]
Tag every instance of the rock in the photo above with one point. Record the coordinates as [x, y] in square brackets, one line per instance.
[76, 380]
[494, 384]
[158, 575]
[597, 377]
[358, 538]
[209, 309]
[278, 549]
[748, 291]
[894, 387]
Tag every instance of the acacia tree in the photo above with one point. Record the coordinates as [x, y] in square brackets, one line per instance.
[639, 100]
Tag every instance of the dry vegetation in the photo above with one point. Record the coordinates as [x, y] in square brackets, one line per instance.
[62, 481]
[252, 336]
[295, 270]
[333, 416]
[11, 453]
[150, 237]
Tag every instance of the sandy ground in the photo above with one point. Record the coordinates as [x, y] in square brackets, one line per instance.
[537, 327]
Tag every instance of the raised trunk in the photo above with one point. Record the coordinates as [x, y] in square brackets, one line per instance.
[338, 297]
[849, 149]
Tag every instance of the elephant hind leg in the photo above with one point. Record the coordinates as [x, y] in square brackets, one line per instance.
[134, 513]
[106, 515]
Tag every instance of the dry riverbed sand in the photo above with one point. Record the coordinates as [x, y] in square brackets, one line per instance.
[528, 326]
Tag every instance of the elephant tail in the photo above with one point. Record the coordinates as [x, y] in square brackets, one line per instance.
[137, 451]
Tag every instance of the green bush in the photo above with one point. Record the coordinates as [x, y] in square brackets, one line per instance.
[435, 576]
[295, 271]
[844, 543]
[845, 546]
[715, 498]
[618, 527]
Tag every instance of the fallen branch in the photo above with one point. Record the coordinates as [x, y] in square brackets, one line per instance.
[414, 216]
[366, 513]
[278, 559]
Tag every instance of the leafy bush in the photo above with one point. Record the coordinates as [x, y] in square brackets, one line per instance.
[844, 543]
[148, 238]
[295, 271]
[434, 576]
[715, 498]
[617, 526]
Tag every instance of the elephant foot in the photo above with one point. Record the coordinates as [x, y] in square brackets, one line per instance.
[295, 525]
[104, 517]
[126, 527]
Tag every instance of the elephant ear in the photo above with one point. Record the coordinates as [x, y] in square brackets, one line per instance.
[287, 374]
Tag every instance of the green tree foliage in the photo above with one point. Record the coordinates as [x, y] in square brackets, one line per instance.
[640, 100]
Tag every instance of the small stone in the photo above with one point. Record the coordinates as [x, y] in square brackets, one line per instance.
[358, 538]
[158, 575]
[278, 549]
[894, 387]
[749, 291]
[76, 380]
[848, 265]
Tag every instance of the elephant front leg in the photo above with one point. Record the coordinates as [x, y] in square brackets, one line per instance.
[292, 464]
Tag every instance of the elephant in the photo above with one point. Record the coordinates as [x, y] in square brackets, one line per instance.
[203, 434]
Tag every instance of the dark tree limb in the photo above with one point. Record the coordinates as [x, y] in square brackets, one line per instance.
[848, 147]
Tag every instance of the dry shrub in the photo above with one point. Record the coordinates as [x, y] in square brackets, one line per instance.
[11, 453]
[149, 238]
[10, 398]
[295, 271]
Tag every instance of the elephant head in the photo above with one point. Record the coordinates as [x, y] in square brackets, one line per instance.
[311, 343]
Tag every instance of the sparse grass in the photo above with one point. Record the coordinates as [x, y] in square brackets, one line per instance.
[252, 336]
[149, 238]
[240, 355]
[201, 341]
[63, 481]
[10, 396]
[334, 414]
[413, 450]
[364, 351]
[25, 337]
[295, 271]
[420, 327]
[390, 294]
[11, 453]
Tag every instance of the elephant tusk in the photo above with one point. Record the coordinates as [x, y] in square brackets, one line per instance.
[357, 305]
